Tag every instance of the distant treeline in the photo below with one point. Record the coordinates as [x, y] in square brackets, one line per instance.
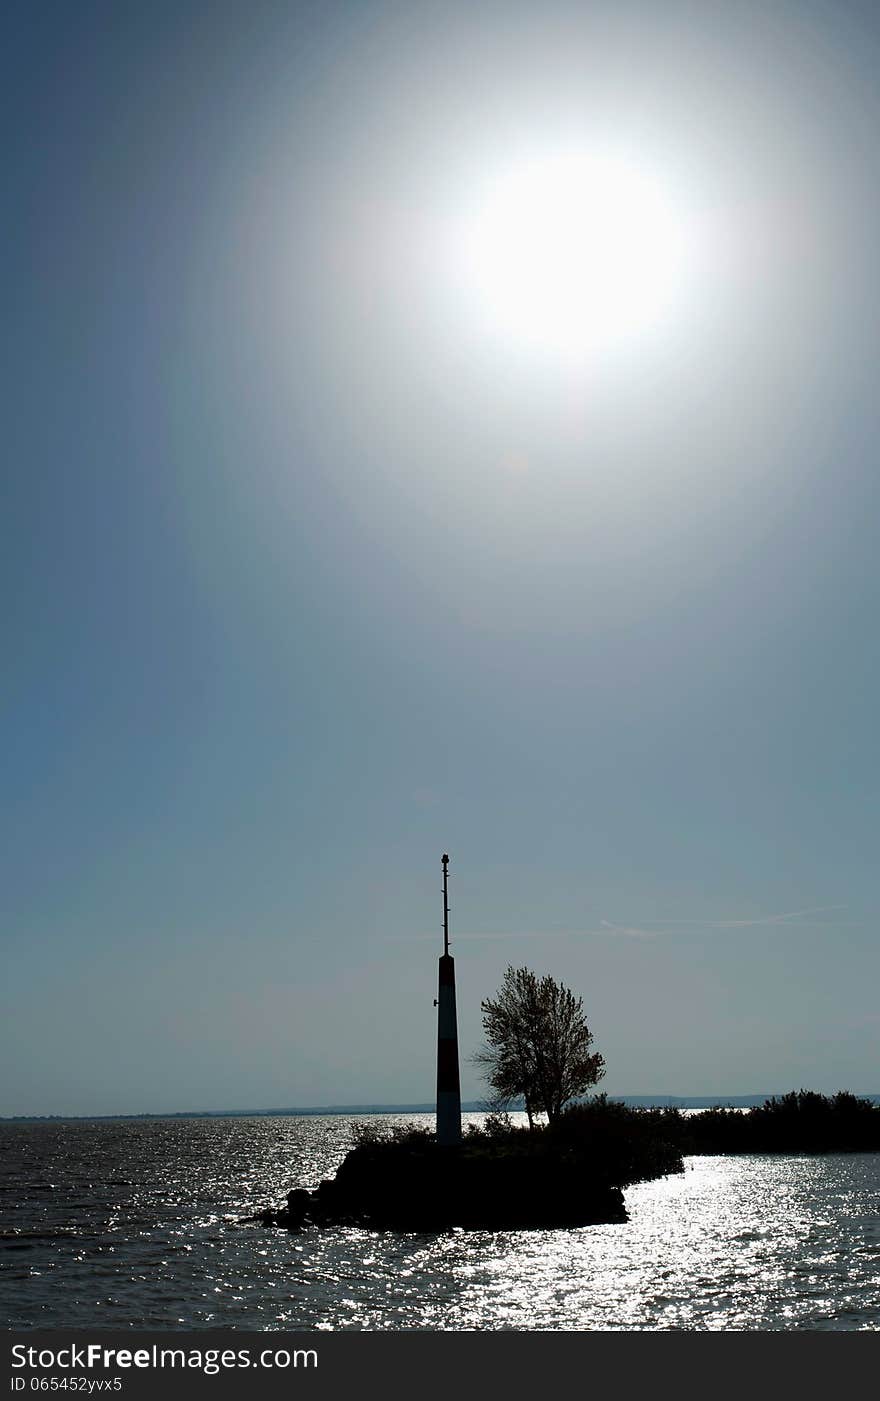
[799, 1122]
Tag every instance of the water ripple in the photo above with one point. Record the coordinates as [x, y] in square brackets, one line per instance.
[136, 1225]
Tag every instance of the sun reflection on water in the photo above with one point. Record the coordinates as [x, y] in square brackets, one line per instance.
[732, 1243]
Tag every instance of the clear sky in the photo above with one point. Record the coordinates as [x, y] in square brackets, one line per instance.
[327, 548]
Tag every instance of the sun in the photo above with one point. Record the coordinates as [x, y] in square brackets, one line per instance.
[571, 251]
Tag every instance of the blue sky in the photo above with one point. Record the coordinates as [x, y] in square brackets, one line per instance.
[311, 575]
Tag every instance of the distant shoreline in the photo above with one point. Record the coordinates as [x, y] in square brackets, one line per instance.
[468, 1107]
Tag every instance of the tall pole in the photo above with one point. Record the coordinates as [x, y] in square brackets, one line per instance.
[448, 1087]
[445, 905]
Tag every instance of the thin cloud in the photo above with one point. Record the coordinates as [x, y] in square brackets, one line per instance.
[629, 930]
[531, 934]
[790, 919]
[472, 937]
[786, 919]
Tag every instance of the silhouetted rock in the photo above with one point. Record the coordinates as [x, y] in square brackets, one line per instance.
[298, 1206]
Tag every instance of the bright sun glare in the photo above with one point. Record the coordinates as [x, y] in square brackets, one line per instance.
[573, 251]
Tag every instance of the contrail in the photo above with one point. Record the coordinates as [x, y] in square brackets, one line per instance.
[789, 919]
[497, 934]
[782, 918]
[786, 918]
[629, 929]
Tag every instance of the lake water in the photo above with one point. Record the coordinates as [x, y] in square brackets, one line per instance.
[135, 1224]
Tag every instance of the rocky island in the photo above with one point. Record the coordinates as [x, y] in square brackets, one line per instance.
[498, 1178]
[569, 1173]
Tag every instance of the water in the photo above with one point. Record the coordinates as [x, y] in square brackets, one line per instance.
[136, 1225]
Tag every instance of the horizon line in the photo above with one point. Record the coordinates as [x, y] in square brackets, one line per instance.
[471, 1106]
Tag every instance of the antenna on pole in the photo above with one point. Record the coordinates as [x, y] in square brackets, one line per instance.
[445, 905]
[448, 1088]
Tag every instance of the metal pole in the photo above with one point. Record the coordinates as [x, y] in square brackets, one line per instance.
[445, 903]
[448, 1087]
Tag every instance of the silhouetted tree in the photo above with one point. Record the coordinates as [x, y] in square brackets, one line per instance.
[538, 1044]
